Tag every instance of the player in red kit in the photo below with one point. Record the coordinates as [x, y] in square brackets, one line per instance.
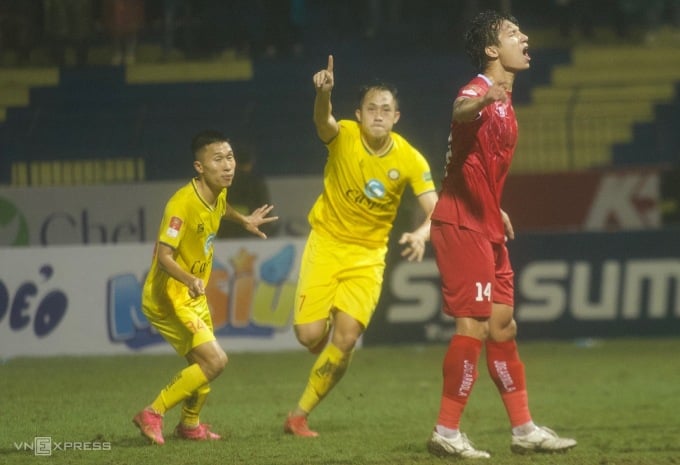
[469, 231]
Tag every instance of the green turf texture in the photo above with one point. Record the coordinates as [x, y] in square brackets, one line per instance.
[619, 398]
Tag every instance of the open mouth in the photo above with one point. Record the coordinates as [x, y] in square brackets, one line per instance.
[525, 52]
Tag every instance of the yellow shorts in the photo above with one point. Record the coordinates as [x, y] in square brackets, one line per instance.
[340, 276]
[187, 327]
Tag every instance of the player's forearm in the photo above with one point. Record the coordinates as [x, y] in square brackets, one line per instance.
[427, 202]
[424, 230]
[322, 107]
[467, 109]
[235, 216]
[326, 126]
[171, 267]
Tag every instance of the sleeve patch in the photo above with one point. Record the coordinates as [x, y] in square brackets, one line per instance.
[175, 226]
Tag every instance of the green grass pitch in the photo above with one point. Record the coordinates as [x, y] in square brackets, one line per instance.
[619, 398]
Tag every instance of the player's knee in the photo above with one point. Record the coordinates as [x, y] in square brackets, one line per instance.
[214, 365]
[223, 360]
[308, 335]
[504, 332]
[308, 340]
[473, 327]
[345, 341]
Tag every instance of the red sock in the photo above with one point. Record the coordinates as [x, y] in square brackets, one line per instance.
[460, 372]
[507, 371]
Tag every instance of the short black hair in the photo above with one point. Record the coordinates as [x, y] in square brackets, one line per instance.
[378, 85]
[482, 33]
[205, 138]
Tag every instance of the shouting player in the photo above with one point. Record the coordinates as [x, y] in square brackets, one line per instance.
[469, 231]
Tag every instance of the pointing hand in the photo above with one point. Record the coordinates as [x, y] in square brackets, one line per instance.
[323, 80]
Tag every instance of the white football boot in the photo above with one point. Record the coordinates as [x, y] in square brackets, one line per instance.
[541, 439]
[460, 447]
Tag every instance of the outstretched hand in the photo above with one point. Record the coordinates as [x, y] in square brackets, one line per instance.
[323, 80]
[257, 218]
[415, 246]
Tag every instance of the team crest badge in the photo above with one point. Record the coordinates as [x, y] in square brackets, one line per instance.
[501, 110]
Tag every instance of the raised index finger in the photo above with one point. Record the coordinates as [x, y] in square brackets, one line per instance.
[329, 68]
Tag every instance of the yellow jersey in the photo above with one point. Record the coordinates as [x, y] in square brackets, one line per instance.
[189, 226]
[362, 192]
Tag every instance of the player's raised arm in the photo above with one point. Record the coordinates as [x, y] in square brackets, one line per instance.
[326, 125]
[468, 108]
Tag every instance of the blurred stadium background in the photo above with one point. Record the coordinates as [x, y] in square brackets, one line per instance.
[94, 137]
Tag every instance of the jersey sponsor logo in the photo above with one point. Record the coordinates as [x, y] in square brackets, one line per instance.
[361, 198]
[374, 189]
[175, 226]
[427, 176]
[198, 267]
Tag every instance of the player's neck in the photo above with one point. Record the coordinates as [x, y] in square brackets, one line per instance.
[208, 194]
[377, 146]
[500, 75]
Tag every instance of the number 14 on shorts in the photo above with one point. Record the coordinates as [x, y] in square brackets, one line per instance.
[483, 292]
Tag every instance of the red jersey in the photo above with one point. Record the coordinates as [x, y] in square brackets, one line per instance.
[477, 165]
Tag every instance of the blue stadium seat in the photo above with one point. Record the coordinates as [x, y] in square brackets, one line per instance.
[94, 113]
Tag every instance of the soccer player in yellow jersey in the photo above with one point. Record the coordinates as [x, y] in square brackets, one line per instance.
[341, 273]
[173, 298]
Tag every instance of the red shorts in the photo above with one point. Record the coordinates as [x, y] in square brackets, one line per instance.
[475, 273]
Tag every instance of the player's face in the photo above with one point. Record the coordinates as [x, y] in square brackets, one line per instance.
[378, 113]
[216, 165]
[513, 51]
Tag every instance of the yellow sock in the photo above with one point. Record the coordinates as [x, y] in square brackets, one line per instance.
[193, 405]
[181, 387]
[328, 369]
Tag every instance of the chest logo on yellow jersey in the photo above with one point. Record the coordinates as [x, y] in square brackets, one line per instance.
[207, 247]
[374, 189]
[201, 228]
[393, 174]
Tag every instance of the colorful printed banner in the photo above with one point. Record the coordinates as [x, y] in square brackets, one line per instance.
[87, 300]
